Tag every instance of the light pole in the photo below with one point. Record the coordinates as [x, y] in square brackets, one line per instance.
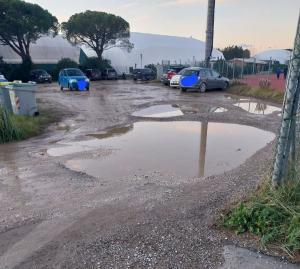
[210, 31]
[141, 60]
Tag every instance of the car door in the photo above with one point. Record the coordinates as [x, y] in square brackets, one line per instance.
[218, 82]
[210, 81]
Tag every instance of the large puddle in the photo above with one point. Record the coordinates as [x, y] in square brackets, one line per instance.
[192, 149]
[257, 108]
[159, 111]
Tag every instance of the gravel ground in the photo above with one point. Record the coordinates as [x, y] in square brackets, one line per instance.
[53, 217]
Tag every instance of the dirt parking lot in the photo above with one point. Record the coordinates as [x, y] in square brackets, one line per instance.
[105, 189]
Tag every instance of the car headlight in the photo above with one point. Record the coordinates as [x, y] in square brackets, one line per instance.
[72, 81]
[87, 80]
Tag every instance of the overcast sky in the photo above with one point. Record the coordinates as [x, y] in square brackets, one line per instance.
[259, 24]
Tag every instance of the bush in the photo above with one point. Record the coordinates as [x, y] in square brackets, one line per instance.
[22, 71]
[95, 63]
[273, 215]
[265, 83]
[62, 64]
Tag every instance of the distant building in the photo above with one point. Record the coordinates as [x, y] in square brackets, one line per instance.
[280, 55]
[148, 49]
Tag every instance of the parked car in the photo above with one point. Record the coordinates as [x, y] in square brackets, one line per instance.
[93, 74]
[175, 80]
[110, 73]
[166, 78]
[202, 79]
[73, 79]
[2, 78]
[143, 74]
[40, 76]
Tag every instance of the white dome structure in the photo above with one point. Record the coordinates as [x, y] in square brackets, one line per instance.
[47, 50]
[280, 55]
[156, 49]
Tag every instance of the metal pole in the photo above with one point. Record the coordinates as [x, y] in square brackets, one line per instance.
[210, 31]
[290, 102]
[233, 69]
[242, 72]
[141, 60]
[254, 62]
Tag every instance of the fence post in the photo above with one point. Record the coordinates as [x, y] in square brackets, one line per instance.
[233, 69]
[290, 104]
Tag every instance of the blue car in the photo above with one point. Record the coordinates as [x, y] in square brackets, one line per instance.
[73, 79]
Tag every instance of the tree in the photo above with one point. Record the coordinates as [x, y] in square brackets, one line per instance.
[22, 23]
[98, 30]
[232, 52]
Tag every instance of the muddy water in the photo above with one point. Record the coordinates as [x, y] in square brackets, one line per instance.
[257, 108]
[159, 111]
[192, 149]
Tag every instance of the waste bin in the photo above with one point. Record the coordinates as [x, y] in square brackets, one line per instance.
[5, 97]
[23, 98]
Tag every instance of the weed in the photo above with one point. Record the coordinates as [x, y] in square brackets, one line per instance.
[271, 214]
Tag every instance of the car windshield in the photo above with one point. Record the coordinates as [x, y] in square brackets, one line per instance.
[189, 72]
[111, 71]
[74, 72]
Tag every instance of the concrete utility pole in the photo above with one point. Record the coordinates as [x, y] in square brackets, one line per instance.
[290, 107]
[210, 31]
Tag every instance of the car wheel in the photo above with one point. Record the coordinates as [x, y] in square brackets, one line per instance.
[88, 88]
[226, 86]
[61, 88]
[202, 87]
[183, 89]
[70, 87]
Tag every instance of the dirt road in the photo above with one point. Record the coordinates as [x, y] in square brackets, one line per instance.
[53, 216]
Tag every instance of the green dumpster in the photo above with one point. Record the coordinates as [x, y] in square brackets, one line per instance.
[5, 96]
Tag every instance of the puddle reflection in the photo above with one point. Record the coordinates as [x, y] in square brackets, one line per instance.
[182, 148]
[257, 108]
[159, 111]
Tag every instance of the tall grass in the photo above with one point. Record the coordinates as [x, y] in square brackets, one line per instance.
[256, 92]
[271, 214]
[15, 127]
[8, 129]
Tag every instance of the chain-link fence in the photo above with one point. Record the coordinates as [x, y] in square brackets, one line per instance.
[287, 161]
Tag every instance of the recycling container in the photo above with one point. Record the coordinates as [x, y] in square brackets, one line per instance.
[23, 98]
[5, 96]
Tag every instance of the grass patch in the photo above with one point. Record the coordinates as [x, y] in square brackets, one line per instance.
[261, 93]
[271, 214]
[15, 128]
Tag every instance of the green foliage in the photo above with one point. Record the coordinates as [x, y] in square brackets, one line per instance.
[23, 23]
[152, 67]
[271, 214]
[62, 64]
[98, 30]
[5, 68]
[14, 127]
[22, 71]
[95, 63]
[232, 52]
[8, 129]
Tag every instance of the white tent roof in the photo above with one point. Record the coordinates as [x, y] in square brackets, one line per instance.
[281, 55]
[47, 50]
[155, 49]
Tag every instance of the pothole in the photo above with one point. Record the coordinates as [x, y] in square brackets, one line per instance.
[184, 148]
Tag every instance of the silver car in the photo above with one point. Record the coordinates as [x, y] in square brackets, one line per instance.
[202, 79]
